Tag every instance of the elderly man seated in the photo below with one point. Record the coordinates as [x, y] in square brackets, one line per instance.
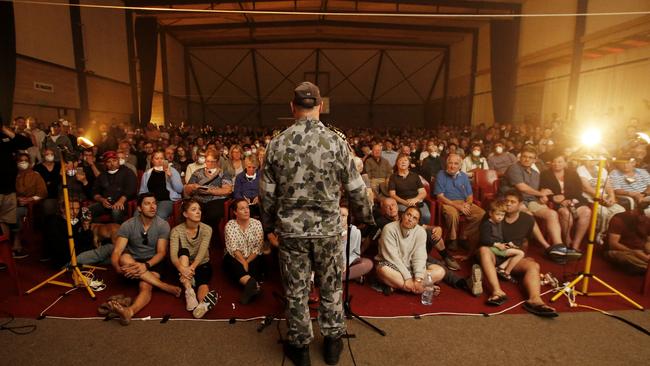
[377, 168]
[631, 182]
[402, 258]
[454, 191]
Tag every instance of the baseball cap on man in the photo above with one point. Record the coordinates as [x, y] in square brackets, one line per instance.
[109, 155]
[306, 95]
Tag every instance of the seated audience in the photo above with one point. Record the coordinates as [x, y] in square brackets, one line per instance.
[164, 182]
[242, 261]
[474, 161]
[628, 244]
[517, 228]
[492, 236]
[78, 185]
[140, 250]
[183, 160]
[454, 192]
[211, 187]
[572, 207]
[401, 262]
[55, 229]
[234, 164]
[500, 160]
[388, 153]
[188, 245]
[50, 171]
[431, 164]
[607, 207]
[113, 189]
[377, 168]
[359, 266]
[405, 187]
[123, 159]
[247, 186]
[631, 182]
[199, 163]
[30, 188]
[57, 142]
[522, 177]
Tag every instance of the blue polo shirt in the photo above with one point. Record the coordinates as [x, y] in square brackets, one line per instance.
[455, 187]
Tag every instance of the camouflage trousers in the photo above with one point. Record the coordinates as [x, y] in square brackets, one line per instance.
[324, 256]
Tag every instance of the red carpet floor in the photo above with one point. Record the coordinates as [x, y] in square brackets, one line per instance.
[365, 300]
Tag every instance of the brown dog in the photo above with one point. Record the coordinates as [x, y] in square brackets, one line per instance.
[102, 232]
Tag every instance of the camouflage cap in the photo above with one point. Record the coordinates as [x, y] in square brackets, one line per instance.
[306, 95]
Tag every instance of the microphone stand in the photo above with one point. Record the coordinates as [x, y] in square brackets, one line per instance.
[347, 307]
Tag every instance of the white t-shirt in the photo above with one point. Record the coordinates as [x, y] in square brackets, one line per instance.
[583, 172]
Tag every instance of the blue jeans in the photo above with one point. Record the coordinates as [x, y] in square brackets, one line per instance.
[101, 255]
[117, 216]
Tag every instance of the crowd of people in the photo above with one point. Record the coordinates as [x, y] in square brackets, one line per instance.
[205, 182]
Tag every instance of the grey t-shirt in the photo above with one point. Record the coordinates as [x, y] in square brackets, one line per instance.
[516, 174]
[142, 245]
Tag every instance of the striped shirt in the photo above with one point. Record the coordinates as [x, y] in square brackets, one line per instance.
[637, 183]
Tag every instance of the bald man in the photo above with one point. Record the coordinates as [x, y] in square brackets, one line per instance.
[454, 191]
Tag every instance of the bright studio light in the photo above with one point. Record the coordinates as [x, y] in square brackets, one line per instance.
[591, 137]
[643, 137]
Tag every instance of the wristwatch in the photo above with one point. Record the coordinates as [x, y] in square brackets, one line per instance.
[418, 280]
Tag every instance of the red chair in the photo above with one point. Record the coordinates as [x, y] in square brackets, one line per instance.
[646, 282]
[7, 258]
[485, 189]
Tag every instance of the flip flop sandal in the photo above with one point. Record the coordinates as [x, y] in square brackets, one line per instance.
[497, 301]
[541, 310]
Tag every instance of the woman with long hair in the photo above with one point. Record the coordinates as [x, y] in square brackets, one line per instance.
[188, 250]
[164, 182]
[406, 188]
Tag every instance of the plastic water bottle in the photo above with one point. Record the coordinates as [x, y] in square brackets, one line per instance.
[427, 295]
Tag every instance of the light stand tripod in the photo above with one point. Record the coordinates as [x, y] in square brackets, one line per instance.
[347, 299]
[73, 267]
[586, 274]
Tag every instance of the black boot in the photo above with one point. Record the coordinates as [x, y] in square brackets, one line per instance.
[332, 350]
[298, 355]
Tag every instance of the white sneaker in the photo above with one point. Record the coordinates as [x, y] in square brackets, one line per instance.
[190, 299]
[200, 310]
[206, 305]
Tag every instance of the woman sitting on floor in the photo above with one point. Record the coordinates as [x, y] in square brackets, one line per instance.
[244, 244]
[188, 244]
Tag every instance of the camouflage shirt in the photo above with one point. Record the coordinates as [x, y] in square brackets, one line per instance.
[306, 165]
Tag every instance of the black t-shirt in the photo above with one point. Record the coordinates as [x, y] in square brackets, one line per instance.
[405, 187]
[52, 178]
[519, 231]
[157, 185]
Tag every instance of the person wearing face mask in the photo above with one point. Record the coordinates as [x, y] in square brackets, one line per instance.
[164, 182]
[182, 161]
[123, 159]
[30, 188]
[56, 141]
[431, 164]
[474, 161]
[210, 186]
[198, 164]
[112, 189]
[500, 160]
[50, 170]
[247, 186]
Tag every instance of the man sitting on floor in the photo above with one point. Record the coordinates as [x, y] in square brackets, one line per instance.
[402, 257]
[517, 228]
[140, 248]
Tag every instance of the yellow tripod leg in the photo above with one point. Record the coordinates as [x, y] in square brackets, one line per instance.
[564, 290]
[46, 281]
[617, 292]
[83, 280]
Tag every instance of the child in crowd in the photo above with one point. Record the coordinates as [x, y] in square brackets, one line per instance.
[491, 234]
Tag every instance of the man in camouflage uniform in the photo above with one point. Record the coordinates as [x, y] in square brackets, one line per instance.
[300, 190]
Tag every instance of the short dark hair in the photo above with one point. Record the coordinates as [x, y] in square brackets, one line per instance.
[529, 149]
[514, 193]
[414, 208]
[187, 203]
[142, 196]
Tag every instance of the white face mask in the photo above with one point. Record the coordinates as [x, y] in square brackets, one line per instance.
[122, 161]
[158, 168]
[71, 172]
[201, 160]
[476, 153]
[23, 165]
[112, 171]
[435, 154]
[74, 221]
[499, 149]
[254, 151]
[225, 152]
[251, 176]
[247, 153]
[211, 171]
[441, 147]
[49, 158]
